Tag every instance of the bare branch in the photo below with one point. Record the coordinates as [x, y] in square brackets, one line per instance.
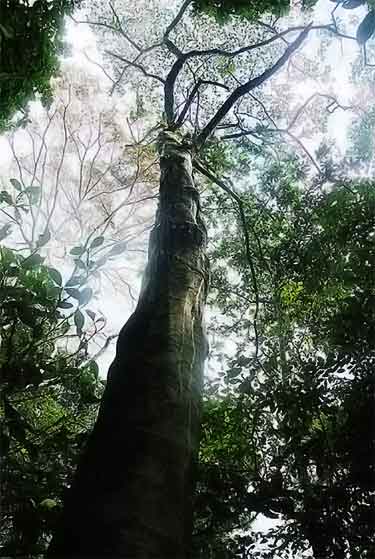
[249, 86]
[137, 66]
[248, 48]
[96, 23]
[334, 103]
[61, 162]
[169, 89]
[192, 95]
[122, 31]
[211, 176]
[99, 66]
[178, 18]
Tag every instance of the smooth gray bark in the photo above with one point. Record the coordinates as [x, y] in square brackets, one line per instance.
[132, 494]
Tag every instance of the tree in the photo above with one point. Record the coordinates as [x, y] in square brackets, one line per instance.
[132, 494]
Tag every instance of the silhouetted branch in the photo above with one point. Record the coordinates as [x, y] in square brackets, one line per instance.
[212, 177]
[137, 66]
[244, 89]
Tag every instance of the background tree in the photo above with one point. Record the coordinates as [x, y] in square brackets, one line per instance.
[289, 425]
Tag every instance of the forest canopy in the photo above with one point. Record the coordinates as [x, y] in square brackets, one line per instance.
[187, 204]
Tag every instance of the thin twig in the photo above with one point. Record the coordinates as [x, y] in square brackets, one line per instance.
[249, 86]
[211, 176]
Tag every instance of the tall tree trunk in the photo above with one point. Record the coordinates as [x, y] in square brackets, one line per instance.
[132, 493]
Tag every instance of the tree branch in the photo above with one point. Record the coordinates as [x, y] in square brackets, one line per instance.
[192, 95]
[202, 169]
[249, 86]
[169, 90]
[137, 66]
[178, 18]
[248, 48]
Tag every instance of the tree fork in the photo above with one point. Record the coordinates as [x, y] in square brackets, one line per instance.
[132, 493]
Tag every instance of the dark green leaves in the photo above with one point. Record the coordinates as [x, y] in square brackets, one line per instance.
[366, 28]
[5, 230]
[79, 321]
[6, 198]
[222, 10]
[75, 293]
[77, 251]
[55, 275]
[97, 242]
[65, 305]
[49, 399]
[33, 260]
[31, 34]
[352, 4]
[17, 185]
[94, 368]
[118, 249]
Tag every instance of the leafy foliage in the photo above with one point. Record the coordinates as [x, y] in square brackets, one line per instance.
[49, 398]
[30, 43]
[222, 10]
[304, 406]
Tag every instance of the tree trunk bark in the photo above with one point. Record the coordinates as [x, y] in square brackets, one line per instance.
[132, 493]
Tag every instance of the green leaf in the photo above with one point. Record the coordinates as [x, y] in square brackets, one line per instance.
[79, 321]
[17, 185]
[366, 28]
[13, 271]
[55, 275]
[54, 292]
[91, 314]
[94, 367]
[48, 504]
[6, 197]
[118, 249]
[74, 280]
[5, 230]
[32, 261]
[85, 296]
[26, 315]
[77, 251]
[80, 264]
[7, 31]
[75, 293]
[33, 193]
[97, 242]
[44, 238]
[64, 305]
[234, 372]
